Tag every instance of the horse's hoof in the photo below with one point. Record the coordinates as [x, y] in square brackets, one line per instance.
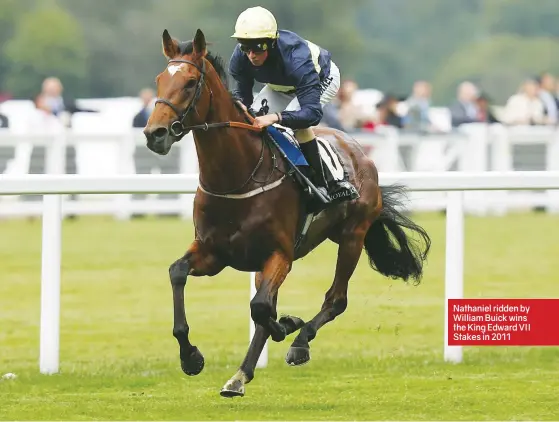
[233, 391]
[298, 355]
[291, 323]
[235, 387]
[194, 363]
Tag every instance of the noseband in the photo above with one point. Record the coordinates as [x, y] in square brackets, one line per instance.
[177, 128]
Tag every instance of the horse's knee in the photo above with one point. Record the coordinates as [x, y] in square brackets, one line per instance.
[178, 271]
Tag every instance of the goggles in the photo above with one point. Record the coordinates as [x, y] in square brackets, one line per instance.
[256, 47]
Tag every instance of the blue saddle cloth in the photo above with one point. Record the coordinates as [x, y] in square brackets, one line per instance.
[290, 148]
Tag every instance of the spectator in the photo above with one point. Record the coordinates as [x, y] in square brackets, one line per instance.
[465, 110]
[44, 119]
[330, 118]
[4, 121]
[418, 104]
[525, 107]
[387, 113]
[350, 115]
[147, 95]
[51, 94]
[485, 114]
[548, 97]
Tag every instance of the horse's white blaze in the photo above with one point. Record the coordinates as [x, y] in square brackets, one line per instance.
[174, 68]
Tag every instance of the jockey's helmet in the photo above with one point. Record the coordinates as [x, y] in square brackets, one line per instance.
[256, 23]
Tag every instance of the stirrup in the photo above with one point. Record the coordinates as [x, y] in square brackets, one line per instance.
[324, 192]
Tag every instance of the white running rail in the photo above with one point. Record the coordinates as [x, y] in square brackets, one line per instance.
[53, 186]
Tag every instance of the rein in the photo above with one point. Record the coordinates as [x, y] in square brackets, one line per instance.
[177, 128]
[207, 126]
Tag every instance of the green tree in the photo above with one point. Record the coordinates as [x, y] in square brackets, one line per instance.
[527, 18]
[421, 32]
[115, 47]
[498, 65]
[46, 42]
[381, 66]
[123, 41]
[11, 12]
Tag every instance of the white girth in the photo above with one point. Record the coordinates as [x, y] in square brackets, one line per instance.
[249, 194]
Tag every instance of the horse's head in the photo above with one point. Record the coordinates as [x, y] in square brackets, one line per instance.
[180, 92]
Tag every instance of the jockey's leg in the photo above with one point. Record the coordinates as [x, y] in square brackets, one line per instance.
[309, 147]
[269, 101]
[336, 189]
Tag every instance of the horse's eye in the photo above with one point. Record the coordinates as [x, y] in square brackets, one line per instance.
[190, 84]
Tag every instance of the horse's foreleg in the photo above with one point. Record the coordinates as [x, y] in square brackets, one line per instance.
[236, 385]
[335, 301]
[198, 262]
[263, 311]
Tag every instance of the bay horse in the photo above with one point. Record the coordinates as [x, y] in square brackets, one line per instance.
[249, 209]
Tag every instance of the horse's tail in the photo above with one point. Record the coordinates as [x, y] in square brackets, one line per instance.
[393, 252]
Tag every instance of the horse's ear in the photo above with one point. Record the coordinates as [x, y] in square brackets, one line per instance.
[200, 44]
[170, 45]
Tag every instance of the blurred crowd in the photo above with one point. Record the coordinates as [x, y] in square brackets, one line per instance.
[52, 106]
[535, 103]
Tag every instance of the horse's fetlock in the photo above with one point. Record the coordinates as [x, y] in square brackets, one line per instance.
[249, 375]
[180, 332]
[305, 335]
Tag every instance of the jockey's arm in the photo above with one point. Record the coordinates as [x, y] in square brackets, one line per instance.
[308, 91]
[243, 84]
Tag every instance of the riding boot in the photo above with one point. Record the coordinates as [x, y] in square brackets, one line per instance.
[339, 190]
[311, 153]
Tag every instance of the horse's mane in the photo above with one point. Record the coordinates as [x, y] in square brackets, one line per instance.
[186, 47]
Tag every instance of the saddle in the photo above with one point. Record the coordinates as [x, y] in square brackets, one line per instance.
[284, 140]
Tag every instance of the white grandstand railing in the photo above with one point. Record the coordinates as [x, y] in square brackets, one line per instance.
[99, 144]
[53, 186]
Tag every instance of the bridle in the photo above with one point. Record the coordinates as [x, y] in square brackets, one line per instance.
[177, 128]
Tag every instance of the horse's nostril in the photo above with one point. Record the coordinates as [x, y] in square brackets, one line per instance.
[160, 133]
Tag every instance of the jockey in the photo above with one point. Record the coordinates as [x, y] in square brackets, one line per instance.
[299, 79]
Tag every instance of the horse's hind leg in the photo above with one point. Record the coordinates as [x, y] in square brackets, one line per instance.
[335, 302]
[263, 311]
[196, 262]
